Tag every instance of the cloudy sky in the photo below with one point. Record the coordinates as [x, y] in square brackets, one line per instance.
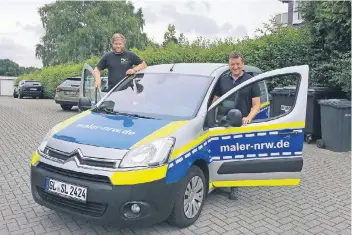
[21, 29]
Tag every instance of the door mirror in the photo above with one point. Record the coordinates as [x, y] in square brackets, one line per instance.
[84, 104]
[234, 118]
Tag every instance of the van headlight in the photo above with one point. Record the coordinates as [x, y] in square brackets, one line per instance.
[155, 153]
[47, 137]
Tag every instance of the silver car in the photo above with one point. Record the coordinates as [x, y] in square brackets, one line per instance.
[68, 92]
[154, 147]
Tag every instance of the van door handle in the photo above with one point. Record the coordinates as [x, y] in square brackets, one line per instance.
[289, 133]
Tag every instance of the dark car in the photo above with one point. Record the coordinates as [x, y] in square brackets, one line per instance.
[28, 88]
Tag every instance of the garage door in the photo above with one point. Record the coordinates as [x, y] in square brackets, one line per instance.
[6, 87]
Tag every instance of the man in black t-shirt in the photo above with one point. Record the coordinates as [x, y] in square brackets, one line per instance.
[247, 99]
[119, 63]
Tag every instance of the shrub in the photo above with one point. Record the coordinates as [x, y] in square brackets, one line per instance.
[277, 47]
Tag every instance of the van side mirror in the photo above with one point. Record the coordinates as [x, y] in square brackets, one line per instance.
[234, 118]
[84, 104]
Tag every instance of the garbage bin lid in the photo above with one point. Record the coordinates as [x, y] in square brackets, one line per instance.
[338, 103]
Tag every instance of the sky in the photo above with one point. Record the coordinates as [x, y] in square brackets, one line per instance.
[21, 27]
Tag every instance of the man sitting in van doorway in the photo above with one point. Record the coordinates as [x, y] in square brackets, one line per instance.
[247, 100]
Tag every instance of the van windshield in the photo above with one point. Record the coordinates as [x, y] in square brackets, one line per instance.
[160, 96]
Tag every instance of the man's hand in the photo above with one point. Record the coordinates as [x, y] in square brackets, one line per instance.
[130, 71]
[97, 83]
[245, 121]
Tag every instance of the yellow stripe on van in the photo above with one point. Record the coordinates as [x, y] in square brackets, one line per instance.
[71, 120]
[252, 183]
[162, 132]
[35, 158]
[138, 176]
[263, 105]
[234, 130]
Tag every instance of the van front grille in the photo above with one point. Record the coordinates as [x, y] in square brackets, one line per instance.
[88, 208]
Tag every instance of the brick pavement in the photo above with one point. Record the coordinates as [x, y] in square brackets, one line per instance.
[321, 205]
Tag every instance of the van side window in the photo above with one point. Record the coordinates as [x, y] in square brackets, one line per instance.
[281, 104]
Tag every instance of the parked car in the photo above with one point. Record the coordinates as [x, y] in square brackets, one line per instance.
[151, 149]
[67, 93]
[29, 88]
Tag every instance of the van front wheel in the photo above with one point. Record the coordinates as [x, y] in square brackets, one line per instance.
[190, 199]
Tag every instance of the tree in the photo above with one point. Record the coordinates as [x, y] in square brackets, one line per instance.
[328, 24]
[182, 40]
[170, 35]
[12, 69]
[78, 30]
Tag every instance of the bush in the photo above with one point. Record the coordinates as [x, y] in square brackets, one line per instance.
[277, 47]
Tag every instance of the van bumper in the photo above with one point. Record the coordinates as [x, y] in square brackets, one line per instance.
[107, 204]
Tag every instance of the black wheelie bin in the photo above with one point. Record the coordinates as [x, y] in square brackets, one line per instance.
[284, 97]
[336, 125]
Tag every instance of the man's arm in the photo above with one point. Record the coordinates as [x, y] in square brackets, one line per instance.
[255, 108]
[255, 91]
[96, 72]
[138, 62]
[217, 92]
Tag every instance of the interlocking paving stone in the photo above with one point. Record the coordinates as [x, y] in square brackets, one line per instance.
[320, 205]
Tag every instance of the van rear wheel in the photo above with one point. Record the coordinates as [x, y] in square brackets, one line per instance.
[190, 199]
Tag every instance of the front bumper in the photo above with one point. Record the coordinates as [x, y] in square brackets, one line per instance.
[106, 203]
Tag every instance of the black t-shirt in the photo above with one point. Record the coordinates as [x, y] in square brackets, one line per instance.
[117, 65]
[241, 99]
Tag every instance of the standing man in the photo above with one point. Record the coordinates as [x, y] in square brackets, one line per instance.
[119, 63]
[247, 100]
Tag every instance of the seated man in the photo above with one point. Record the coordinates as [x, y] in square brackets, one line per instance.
[247, 100]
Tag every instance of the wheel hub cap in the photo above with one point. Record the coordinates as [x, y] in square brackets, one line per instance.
[193, 197]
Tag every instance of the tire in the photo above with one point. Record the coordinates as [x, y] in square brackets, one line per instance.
[14, 95]
[20, 96]
[66, 106]
[320, 143]
[178, 216]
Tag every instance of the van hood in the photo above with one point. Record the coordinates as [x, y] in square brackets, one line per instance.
[110, 131]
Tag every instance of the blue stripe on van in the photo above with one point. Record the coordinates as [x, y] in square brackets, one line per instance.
[109, 131]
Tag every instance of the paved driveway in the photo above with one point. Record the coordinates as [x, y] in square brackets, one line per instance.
[321, 205]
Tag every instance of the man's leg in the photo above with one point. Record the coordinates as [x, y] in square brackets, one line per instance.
[233, 193]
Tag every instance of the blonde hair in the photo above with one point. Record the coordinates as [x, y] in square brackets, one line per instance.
[118, 36]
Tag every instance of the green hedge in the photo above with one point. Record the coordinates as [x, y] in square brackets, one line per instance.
[284, 47]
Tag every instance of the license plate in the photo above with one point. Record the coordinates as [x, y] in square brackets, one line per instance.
[70, 93]
[33, 89]
[66, 189]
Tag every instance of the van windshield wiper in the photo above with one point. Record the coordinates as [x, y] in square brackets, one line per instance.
[103, 109]
[133, 115]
